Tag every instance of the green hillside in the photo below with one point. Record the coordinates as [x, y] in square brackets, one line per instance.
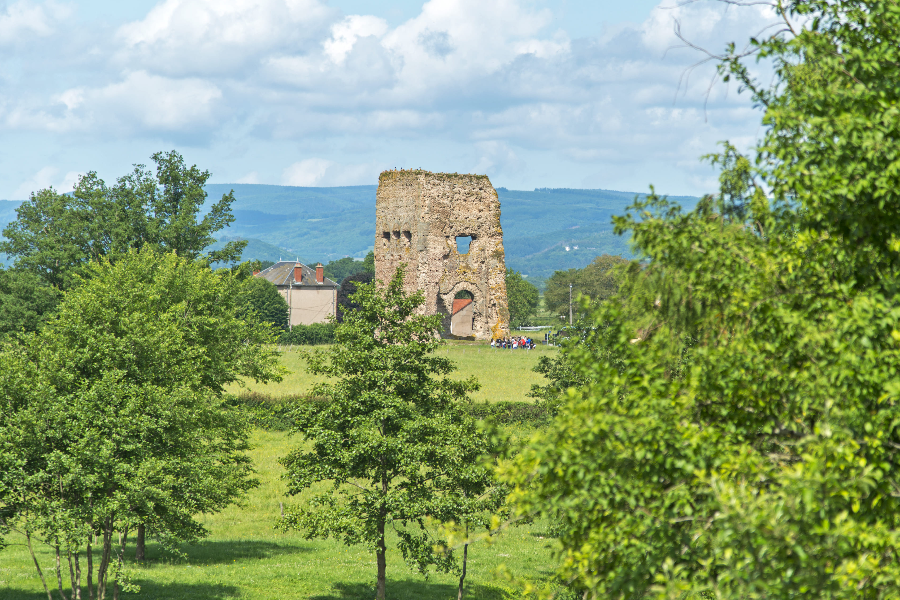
[324, 224]
[329, 223]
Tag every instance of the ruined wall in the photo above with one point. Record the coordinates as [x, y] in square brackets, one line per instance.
[418, 216]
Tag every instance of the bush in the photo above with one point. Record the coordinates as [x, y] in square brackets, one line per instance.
[309, 335]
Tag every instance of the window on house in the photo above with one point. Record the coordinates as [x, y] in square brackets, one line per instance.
[462, 243]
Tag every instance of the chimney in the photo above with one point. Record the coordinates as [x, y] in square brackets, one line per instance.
[320, 273]
[298, 273]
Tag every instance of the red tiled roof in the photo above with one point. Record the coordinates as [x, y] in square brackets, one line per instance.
[459, 304]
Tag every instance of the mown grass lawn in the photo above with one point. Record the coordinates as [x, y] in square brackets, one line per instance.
[247, 557]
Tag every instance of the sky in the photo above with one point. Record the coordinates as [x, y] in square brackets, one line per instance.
[533, 93]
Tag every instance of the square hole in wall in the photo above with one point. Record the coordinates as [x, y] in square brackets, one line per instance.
[462, 243]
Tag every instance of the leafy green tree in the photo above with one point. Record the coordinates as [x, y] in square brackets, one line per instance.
[598, 280]
[113, 414]
[522, 297]
[391, 438]
[338, 270]
[25, 301]
[733, 433]
[369, 263]
[265, 301]
[55, 235]
[348, 289]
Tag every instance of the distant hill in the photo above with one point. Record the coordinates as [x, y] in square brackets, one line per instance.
[544, 230]
[323, 224]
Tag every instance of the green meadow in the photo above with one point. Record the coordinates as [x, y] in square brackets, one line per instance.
[503, 374]
[247, 557]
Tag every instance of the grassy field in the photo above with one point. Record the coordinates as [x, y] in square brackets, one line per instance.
[503, 374]
[246, 557]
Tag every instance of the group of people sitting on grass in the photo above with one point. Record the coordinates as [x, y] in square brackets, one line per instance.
[513, 343]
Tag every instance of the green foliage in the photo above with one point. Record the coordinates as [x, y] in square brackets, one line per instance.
[348, 289]
[55, 235]
[261, 297]
[369, 263]
[523, 299]
[735, 433]
[308, 335]
[25, 301]
[275, 413]
[337, 270]
[393, 439]
[599, 280]
[112, 416]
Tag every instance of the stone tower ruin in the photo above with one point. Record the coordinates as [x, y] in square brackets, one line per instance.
[424, 220]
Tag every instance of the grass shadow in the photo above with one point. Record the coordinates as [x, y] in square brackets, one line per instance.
[221, 552]
[410, 589]
[149, 591]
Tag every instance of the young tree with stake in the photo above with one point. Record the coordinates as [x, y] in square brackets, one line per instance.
[390, 436]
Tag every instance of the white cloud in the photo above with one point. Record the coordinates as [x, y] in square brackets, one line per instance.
[490, 78]
[140, 101]
[251, 177]
[46, 177]
[345, 34]
[213, 36]
[23, 20]
[307, 173]
[312, 172]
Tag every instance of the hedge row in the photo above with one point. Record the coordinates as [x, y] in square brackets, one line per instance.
[308, 335]
[274, 412]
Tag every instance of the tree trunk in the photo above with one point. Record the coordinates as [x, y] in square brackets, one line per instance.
[123, 540]
[139, 551]
[103, 569]
[380, 558]
[59, 572]
[462, 577]
[90, 566]
[77, 586]
[37, 565]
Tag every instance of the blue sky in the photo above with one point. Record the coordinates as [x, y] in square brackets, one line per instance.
[572, 93]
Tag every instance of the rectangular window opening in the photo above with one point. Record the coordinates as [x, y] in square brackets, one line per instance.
[462, 243]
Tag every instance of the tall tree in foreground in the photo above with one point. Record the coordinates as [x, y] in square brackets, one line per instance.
[734, 432]
[390, 436]
[112, 417]
[55, 236]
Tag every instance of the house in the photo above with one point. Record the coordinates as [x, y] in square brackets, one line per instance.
[311, 297]
[462, 317]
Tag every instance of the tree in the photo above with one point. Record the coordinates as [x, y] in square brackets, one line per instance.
[25, 301]
[733, 433]
[390, 437]
[369, 263]
[522, 297]
[598, 280]
[265, 301]
[55, 235]
[113, 414]
[347, 290]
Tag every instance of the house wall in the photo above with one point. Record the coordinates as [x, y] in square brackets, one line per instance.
[309, 305]
[461, 322]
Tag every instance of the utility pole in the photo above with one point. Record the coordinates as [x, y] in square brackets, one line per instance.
[570, 304]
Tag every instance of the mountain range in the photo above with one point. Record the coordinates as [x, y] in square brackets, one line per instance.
[544, 230]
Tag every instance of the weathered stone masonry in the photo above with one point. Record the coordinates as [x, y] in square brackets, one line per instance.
[419, 215]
